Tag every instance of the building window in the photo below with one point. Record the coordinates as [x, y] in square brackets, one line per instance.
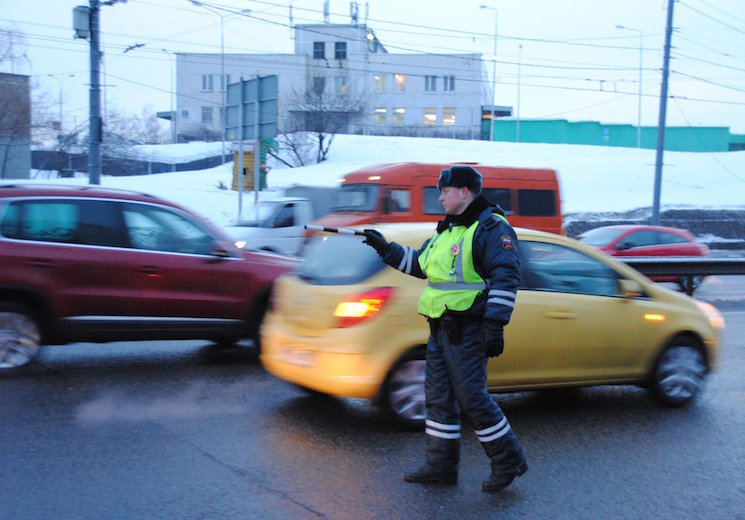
[208, 83]
[319, 50]
[448, 116]
[379, 82]
[449, 82]
[319, 85]
[224, 82]
[340, 84]
[400, 81]
[399, 115]
[207, 115]
[430, 83]
[430, 116]
[381, 116]
[340, 50]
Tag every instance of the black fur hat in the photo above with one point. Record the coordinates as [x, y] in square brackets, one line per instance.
[459, 176]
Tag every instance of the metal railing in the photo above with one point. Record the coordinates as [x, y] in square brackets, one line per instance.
[685, 267]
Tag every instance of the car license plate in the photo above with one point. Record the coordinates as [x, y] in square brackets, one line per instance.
[293, 355]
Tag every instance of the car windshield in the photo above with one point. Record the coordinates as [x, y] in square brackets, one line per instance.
[599, 237]
[356, 197]
[259, 215]
[338, 260]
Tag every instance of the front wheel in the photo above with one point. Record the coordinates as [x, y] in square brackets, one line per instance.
[690, 284]
[20, 335]
[404, 390]
[678, 375]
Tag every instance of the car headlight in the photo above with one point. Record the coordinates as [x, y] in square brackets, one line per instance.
[716, 320]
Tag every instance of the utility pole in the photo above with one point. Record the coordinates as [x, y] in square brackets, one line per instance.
[663, 115]
[95, 125]
[86, 25]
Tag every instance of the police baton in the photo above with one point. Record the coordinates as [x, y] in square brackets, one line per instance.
[341, 231]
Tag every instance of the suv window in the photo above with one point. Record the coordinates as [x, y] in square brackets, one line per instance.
[90, 222]
[338, 260]
[158, 229]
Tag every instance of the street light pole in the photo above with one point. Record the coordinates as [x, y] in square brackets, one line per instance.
[639, 104]
[174, 135]
[493, 74]
[223, 86]
[61, 82]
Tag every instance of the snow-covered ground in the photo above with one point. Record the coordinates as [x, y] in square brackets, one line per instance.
[593, 179]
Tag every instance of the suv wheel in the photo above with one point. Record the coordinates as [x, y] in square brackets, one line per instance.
[20, 335]
[404, 391]
[678, 374]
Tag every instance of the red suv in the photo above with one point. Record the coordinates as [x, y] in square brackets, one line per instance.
[94, 264]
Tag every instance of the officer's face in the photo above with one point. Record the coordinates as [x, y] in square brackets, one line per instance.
[454, 200]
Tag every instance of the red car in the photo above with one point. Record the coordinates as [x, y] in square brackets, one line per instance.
[640, 240]
[94, 264]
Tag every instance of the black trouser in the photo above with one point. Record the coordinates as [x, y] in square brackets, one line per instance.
[455, 382]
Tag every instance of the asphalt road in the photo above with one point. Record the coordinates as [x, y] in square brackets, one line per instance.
[185, 430]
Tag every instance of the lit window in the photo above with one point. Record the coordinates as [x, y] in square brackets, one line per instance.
[400, 82]
[381, 116]
[379, 82]
[207, 115]
[430, 83]
[449, 85]
[399, 115]
[340, 84]
[448, 116]
[430, 116]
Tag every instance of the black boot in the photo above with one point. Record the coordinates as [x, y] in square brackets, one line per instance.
[429, 475]
[442, 463]
[507, 462]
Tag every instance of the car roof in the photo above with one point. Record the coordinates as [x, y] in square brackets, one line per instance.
[15, 189]
[639, 227]
[396, 230]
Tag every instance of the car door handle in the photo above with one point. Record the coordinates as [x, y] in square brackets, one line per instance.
[561, 315]
[41, 263]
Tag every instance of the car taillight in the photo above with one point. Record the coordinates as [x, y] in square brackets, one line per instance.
[357, 308]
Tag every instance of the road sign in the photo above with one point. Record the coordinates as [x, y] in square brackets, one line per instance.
[254, 97]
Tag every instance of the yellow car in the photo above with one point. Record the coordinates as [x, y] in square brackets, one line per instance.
[343, 323]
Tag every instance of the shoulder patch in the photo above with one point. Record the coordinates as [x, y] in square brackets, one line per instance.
[506, 242]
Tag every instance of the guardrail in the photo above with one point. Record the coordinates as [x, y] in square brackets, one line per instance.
[685, 267]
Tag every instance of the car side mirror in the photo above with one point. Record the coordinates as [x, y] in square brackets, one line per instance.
[622, 246]
[630, 288]
[219, 251]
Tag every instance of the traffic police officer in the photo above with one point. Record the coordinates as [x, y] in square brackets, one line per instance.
[473, 270]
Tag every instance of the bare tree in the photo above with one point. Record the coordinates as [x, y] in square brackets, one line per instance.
[322, 115]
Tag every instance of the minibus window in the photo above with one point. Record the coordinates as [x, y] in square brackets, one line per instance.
[536, 203]
[499, 196]
[355, 197]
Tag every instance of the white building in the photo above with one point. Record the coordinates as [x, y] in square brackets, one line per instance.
[348, 72]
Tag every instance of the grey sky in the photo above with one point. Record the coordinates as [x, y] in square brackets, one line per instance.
[571, 60]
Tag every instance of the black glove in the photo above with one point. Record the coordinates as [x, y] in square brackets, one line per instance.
[493, 338]
[377, 241]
